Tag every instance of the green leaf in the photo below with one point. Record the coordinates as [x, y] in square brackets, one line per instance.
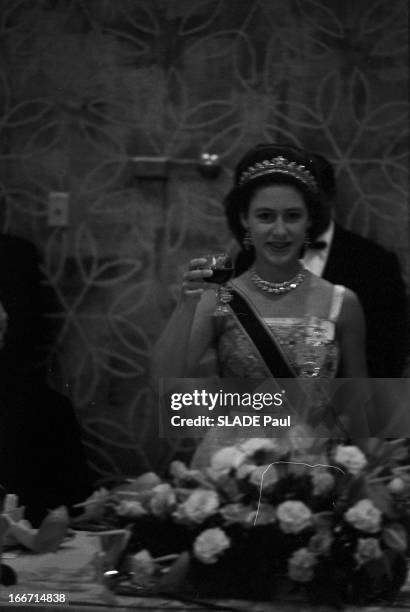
[228, 487]
[395, 537]
[355, 490]
[323, 520]
[173, 580]
[380, 496]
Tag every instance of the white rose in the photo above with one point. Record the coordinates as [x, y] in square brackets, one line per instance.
[180, 473]
[95, 504]
[367, 550]
[226, 459]
[255, 445]
[178, 470]
[130, 509]
[145, 482]
[293, 516]
[244, 470]
[235, 513]
[163, 500]
[323, 481]
[351, 458]
[364, 516]
[210, 544]
[142, 566]
[301, 564]
[264, 476]
[201, 504]
[301, 438]
[396, 485]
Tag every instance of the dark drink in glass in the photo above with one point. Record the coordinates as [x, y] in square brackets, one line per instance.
[222, 268]
[220, 276]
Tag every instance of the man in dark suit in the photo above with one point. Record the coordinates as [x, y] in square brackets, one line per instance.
[41, 455]
[373, 273]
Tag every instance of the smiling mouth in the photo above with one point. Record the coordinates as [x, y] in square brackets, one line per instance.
[279, 246]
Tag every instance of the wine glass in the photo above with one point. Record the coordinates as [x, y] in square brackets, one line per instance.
[222, 270]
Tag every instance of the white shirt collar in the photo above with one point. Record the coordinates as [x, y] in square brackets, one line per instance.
[327, 236]
[315, 260]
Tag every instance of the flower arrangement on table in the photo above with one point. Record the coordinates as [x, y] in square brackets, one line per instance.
[17, 531]
[270, 518]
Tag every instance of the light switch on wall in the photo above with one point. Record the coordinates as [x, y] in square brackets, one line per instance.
[58, 207]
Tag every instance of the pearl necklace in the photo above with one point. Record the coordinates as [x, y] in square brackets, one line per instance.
[278, 288]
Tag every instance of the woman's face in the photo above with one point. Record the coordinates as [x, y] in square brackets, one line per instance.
[277, 220]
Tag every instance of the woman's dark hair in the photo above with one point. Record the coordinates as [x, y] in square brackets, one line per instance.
[325, 175]
[255, 170]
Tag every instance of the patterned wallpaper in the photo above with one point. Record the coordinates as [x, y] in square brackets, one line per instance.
[85, 85]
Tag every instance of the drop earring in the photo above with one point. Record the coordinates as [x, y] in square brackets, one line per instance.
[247, 241]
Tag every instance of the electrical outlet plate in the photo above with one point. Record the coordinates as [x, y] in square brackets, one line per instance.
[58, 205]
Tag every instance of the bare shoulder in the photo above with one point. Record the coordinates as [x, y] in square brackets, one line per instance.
[351, 307]
[323, 289]
[349, 297]
[317, 282]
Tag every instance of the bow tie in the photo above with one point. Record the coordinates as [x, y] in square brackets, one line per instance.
[317, 245]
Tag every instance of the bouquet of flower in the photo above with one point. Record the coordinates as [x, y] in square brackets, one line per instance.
[270, 517]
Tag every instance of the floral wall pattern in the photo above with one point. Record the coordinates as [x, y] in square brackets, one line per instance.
[86, 85]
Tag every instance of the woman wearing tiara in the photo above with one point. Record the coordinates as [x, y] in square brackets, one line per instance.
[285, 322]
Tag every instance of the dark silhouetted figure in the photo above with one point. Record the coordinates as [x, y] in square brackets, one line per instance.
[41, 454]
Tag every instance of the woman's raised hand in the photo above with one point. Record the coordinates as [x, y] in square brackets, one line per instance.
[193, 282]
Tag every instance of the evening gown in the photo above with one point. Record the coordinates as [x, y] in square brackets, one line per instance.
[309, 343]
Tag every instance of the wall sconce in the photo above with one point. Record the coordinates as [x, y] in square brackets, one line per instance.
[145, 167]
[209, 165]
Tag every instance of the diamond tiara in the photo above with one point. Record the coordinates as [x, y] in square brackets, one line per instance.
[279, 165]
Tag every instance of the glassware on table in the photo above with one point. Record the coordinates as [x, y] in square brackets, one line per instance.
[222, 268]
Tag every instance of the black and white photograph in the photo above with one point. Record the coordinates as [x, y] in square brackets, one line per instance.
[204, 305]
